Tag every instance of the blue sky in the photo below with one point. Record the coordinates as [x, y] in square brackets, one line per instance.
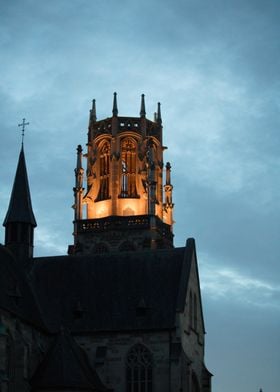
[214, 66]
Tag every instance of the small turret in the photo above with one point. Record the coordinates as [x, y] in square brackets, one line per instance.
[20, 221]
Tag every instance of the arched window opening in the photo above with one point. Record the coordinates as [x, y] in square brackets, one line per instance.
[128, 168]
[104, 172]
[139, 369]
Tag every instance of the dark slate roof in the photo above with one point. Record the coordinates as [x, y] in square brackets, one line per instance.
[65, 366]
[118, 291]
[16, 293]
[20, 207]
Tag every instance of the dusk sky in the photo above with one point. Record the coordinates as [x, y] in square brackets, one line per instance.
[214, 66]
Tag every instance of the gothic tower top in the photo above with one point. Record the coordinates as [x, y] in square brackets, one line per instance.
[128, 204]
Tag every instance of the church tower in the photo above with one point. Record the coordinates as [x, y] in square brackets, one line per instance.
[128, 195]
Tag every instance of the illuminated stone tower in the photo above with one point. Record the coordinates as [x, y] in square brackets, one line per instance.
[129, 193]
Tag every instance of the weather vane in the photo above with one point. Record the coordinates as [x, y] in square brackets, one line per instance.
[23, 128]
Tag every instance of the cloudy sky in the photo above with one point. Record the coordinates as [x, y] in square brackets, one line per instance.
[214, 66]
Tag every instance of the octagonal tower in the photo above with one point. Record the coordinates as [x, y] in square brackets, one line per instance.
[128, 196]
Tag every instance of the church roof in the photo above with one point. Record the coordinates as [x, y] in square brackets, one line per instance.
[20, 207]
[65, 366]
[138, 290]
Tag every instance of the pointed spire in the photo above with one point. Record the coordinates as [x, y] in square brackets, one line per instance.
[20, 207]
[142, 109]
[92, 116]
[159, 120]
[115, 105]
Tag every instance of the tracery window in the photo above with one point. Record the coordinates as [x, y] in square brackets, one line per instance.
[104, 172]
[139, 369]
[128, 168]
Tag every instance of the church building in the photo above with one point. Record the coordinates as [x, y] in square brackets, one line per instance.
[121, 311]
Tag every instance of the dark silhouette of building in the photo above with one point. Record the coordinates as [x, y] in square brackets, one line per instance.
[122, 311]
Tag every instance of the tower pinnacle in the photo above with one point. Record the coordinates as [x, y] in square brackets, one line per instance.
[142, 109]
[159, 120]
[92, 116]
[115, 105]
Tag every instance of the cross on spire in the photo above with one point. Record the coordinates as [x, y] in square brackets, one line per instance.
[23, 125]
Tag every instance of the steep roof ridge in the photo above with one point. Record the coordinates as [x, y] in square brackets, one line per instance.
[20, 206]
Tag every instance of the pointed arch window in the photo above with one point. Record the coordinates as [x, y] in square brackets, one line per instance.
[139, 369]
[104, 172]
[128, 168]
